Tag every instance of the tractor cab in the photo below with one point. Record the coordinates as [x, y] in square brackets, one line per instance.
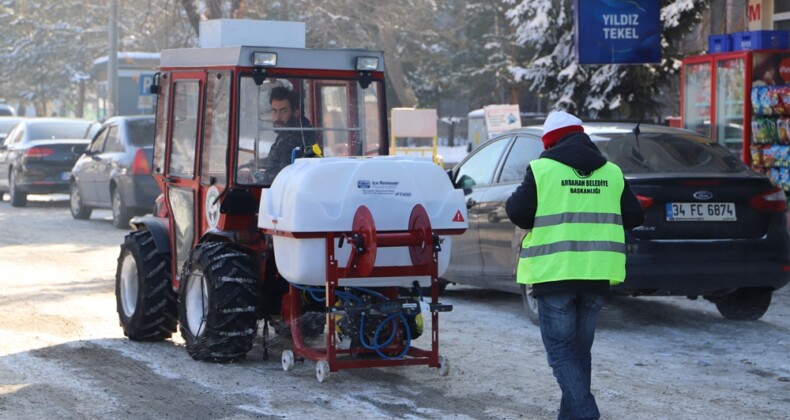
[230, 118]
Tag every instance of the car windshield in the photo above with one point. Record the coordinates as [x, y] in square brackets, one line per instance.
[340, 116]
[663, 153]
[141, 132]
[59, 130]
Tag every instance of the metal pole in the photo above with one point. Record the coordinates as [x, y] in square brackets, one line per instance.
[112, 62]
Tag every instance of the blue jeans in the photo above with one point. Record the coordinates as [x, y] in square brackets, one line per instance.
[567, 326]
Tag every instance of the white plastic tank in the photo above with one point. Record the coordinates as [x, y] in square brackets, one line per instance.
[323, 195]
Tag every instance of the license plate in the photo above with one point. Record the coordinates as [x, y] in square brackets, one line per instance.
[64, 176]
[705, 212]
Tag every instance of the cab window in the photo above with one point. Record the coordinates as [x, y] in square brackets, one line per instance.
[185, 119]
[216, 128]
[283, 119]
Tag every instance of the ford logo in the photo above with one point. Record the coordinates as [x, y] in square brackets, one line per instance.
[703, 195]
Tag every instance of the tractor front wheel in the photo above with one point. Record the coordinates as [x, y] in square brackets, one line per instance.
[218, 303]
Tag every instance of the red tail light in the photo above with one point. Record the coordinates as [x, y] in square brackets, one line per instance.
[39, 152]
[645, 202]
[771, 200]
[140, 165]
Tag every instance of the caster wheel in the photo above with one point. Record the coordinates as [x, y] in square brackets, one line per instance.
[444, 366]
[288, 360]
[322, 371]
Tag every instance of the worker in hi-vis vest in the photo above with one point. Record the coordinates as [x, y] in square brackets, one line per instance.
[577, 205]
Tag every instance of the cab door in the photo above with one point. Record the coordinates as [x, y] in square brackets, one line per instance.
[213, 162]
[180, 173]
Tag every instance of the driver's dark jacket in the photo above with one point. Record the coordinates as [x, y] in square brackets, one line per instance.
[579, 152]
[282, 150]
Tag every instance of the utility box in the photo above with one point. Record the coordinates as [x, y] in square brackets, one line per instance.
[218, 33]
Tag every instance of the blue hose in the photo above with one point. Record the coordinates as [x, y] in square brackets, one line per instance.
[391, 318]
[378, 346]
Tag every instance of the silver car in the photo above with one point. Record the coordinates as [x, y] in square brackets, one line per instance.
[115, 171]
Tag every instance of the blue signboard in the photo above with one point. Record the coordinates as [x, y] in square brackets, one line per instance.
[618, 31]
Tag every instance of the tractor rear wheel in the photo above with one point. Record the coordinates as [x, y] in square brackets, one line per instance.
[144, 295]
[218, 303]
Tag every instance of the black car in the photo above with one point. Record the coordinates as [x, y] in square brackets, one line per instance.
[713, 227]
[37, 155]
[115, 171]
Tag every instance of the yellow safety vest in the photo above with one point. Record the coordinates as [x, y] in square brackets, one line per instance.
[578, 232]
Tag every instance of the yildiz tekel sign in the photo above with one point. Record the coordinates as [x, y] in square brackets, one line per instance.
[618, 31]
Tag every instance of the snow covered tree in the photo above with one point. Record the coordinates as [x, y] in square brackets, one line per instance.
[596, 91]
[48, 48]
[403, 29]
[484, 49]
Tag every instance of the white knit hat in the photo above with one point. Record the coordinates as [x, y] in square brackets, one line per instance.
[558, 125]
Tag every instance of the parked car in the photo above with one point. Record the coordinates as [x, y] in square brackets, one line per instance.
[38, 153]
[7, 110]
[713, 227]
[115, 171]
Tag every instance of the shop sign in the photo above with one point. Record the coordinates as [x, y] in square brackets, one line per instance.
[618, 32]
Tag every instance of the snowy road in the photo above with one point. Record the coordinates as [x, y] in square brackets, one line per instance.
[63, 355]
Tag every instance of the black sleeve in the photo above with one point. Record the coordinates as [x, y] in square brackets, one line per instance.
[633, 215]
[522, 204]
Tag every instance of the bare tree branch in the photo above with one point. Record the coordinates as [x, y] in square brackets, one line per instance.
[192, 14]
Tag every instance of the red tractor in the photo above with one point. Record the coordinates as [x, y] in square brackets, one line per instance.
[255, 148]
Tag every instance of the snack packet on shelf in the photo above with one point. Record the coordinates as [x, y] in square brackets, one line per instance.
[757, 156]
[763, 130]
[784, 98]
[783, 130]
[775, 101]
[761, 104]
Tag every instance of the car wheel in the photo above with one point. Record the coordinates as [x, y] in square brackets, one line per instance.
[530, 304]
[746, 304]
[120, 213]
[218, 303]
[18, 198]
[144, 296]
[78, 209]
[492, 217]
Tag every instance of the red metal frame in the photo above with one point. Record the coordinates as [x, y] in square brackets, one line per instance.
[416, 238]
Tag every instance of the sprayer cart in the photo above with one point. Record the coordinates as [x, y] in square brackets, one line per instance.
[384, 240]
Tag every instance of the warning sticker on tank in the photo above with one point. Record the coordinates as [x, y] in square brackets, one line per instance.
[381, 187]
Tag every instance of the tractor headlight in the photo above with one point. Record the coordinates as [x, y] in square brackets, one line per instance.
[264, 59]
[367, 63]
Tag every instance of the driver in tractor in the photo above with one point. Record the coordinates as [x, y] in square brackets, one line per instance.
[287, 113]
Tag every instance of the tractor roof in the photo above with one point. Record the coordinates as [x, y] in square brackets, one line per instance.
[293, 58]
